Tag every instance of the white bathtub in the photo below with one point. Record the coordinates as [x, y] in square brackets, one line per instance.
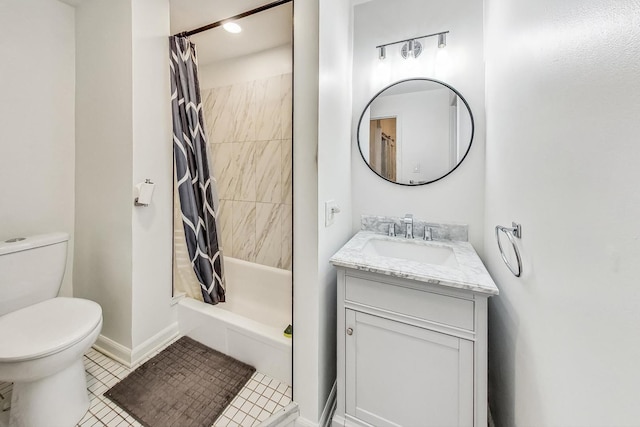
[250, 325]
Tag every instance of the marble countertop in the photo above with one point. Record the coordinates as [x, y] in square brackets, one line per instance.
[471, 274]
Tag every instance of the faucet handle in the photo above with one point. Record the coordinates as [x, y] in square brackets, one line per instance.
[408, 217]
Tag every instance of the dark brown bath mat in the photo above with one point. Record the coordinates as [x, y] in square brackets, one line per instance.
[187, 384]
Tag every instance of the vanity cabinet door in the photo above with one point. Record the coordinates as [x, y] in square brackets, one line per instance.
[403, 375]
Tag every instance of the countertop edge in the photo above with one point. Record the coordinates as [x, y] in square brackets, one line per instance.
[471, 287]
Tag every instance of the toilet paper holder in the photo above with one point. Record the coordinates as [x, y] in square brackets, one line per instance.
[145, 193]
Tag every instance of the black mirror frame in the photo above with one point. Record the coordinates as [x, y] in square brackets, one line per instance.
[407, 80]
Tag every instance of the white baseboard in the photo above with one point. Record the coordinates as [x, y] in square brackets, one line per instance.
[114, 350]
[131, 357]
[154, 343]
[327, 412]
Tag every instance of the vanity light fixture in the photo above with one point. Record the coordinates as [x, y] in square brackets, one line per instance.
[412, 48]
[232, 27]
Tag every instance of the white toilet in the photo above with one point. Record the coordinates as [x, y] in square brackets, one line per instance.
[42, 336]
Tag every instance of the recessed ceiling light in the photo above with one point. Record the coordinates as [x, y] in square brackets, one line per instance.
[232, 27]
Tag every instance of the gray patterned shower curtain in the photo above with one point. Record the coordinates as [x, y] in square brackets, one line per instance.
[195, 187]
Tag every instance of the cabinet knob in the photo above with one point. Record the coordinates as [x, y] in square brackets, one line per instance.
[349, 331]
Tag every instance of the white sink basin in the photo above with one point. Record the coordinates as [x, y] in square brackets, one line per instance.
[412, 251]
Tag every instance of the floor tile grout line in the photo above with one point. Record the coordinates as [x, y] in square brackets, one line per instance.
[102, 373]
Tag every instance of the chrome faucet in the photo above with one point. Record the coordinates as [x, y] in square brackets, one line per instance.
[428, 233]
[408, 221]
[392, 229]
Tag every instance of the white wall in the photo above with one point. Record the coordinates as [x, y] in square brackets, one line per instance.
[322, 100]
[306, 313]
[257, 66]
[123, 252]
[562, 158]
[334, 174]
[152, 158]
[104, 160]
[460, 196]
[37, 107]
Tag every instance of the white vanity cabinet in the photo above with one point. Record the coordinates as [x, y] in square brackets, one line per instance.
[410, 353]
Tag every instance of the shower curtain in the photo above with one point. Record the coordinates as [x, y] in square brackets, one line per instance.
[196, 189]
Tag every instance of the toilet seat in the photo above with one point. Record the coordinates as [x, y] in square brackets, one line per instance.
[46, 328]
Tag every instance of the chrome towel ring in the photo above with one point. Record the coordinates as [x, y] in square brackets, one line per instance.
[514, 231]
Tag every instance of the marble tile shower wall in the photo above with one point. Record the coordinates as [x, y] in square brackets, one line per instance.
[249, 130]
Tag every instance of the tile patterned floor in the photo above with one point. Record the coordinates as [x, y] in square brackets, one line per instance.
[260, 397]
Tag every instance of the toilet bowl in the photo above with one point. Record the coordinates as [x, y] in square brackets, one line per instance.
[41, 353]
[42, 343]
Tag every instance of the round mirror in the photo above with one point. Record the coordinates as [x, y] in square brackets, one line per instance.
[415, 131]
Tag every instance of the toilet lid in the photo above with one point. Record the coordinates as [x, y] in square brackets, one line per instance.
[47, 327]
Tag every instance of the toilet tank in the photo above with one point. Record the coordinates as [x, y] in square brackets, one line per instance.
[31, 269]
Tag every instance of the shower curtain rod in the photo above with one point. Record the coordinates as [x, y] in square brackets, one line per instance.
[233, 18]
